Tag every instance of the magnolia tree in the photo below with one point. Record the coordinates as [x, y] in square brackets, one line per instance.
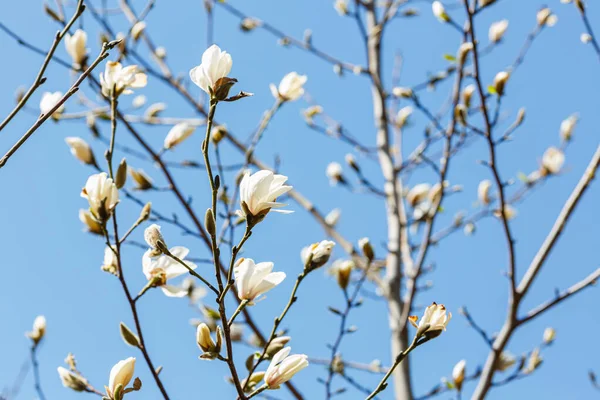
[390, 270]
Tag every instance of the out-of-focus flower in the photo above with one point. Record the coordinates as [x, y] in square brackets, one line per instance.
[333, 217]
[141, 179]
[533, 362]
[505, 361]
[312, 112]
[120, 79]
[418, 193]
[72, 380]
[163, 268]
[545, 17]
[567, 126]
[258, 195]
[137, 30]
[585, 38]
[403, 116]
[75, 45]
[139, 101]
[342, 272]
[483, 192]
[248, 24]
[253, 280]
[81, 150]
[552, 161]
[497, 30]
[120, 376]
[458, 374]
[48, 101]
[102, 195]
[463, 52]
[549, 335]
[320, 253]
[39, 329]
[439, 11]
[364, 244]
[509, 212]
[178, 134]
[500, 82]
[216, 65]
[341, 6]
[404, 92]
[433, 322]
[334, 172]
[467, 94]
[283, 367]
[290, 88]
[236, 332]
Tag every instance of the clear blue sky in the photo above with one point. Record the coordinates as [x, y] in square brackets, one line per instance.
[50, 267]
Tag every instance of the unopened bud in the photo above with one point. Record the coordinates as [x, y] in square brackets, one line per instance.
[146, 211]
[121, 177]
[209, 222]
[367, 249]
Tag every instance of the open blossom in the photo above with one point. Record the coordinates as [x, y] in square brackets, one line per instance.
[259, 192]
[252, 280]
[178, 134]
[483, 192]
[439, 11]
[48, 102]
[458, 373]
[553, 160]
[433, 322]
[163, 268]
[75, 45]
[216, 64]
[81, 150]
[120, 375]
[320, 253]
[72, 380]
[290, 88]
[283, 367]
[39, 329]
[122, 80]
[497, 30]
[102, 195]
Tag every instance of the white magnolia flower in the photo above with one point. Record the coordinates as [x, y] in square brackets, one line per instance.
[467, 94]
[178, 134]
[320, 253]
[259, 192]
[545, 17]
[216, 64]
[39, 329]
[122, 80]
[418, 194]
[549, 335]
[585, 38]
[72, 380]
[48, 101]
[403, 116]
[439, 11]
[75, 45]
[164, 268]
[252, 280]
[364, 244]
[81, 150]
[138, 29]
[500, 82]
[458, 373]
[205, 341]
[111, 261]
[283, 367]
[405, 92]
[533, 362]
[463, 51]
[90, 222]
[567, 127]
[497, 30]
[333, 217]
[334, 172]
[483, 192]
[120, 375]
[433, 322]
[139, 101]
[341, 270]
[102, 195]
[553, 160]
[290, 87]
[341, 6]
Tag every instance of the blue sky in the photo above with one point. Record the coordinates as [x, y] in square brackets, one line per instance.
[50, 267]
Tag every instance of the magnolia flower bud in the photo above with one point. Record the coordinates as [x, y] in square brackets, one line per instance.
[142, 181]
[402, 118]
[439, 11]
[549, 335]
[483, 192]
[552, 161]
[484, 3]
[567, 127]
[218, 133]
[351, 161]
[341, 6]
[505, 361]
[209, 222]
[585, 38]
[72, 380]
[463, 51]
[290, 88]
[154, 238]
[111, 261]
[467, 94]
[277, 344]
[121, 177]
[283, 367]
[334, 173]
[333, 217]
[317, 253]
[343, 272]
[90, 222]
[402, 92]
[253, 280]
[236, 332]
[460, 113]
[533, 362]
[138, 101]
[154, 110]
[509, 212]
[49, 101]
[365, 245]
[250, 383]
[137, 30]
[178, 134]
[160, 53]
[75, 46]
[215, 66]
[520, 116]
[81, 150]
[248, 24]
[500, 82]
[102, 195]
[311, 112]
[418, 194]
[469, 229]
[497, 30]
[205, 342]
[458, 374]
[546, 18]
[120, 376]
[433, 322]
[38, 331]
